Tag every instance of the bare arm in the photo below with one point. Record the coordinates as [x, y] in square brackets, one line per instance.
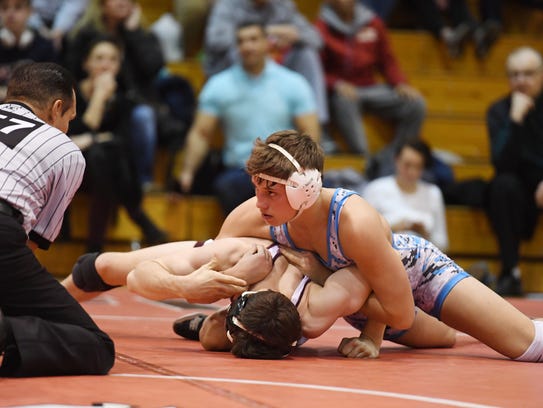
[245, 220]
[343, 293]
[231, 262]
[309, 124]
[197, 147]
[366, 239]
[348, 295]
[204, 285]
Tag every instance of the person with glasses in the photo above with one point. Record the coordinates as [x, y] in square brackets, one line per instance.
[515, 194]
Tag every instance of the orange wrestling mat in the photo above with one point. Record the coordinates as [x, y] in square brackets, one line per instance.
[156, 368]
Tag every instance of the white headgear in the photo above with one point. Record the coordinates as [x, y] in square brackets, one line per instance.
[302, 187]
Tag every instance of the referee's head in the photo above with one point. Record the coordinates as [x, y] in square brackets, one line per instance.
[47, 88]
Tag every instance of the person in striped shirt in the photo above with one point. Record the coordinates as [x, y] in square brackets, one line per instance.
[40, 171]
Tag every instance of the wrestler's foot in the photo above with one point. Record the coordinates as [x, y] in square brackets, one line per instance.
[189, 326]
[509, 285]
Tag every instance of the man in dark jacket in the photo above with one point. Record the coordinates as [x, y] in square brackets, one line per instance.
[515, 127]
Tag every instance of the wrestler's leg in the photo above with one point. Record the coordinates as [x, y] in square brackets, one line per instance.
[473, 308]
[427, 332]
[112, 268]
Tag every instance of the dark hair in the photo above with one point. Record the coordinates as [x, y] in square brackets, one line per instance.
[26, 2]
[251, 23]
[264, 159]
[420, 146]
[40, 84]
[101, 39]
[271, 325]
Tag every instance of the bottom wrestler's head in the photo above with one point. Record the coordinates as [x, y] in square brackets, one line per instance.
[263, 325]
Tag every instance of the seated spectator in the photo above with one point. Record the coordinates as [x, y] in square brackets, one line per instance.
[515, 194]
[101, 130]
[462, 24]
[248, 100]
[55, 18]
[143, 75]
[19, 42]
[356, 46]
[192, 15]
[382, 8]
[295, 41]
[407, 202]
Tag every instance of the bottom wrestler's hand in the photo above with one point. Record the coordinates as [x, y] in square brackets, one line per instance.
[206, 285]
[358, 347]
[307, 263]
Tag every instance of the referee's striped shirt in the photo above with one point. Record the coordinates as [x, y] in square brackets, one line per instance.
[40, 171]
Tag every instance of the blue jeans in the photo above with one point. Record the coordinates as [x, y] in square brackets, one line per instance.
[232, 187]
[144, 140]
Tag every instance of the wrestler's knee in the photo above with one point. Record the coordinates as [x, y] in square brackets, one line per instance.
[86, 276]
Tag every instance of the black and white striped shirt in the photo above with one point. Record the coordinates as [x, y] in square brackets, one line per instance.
[40, 171]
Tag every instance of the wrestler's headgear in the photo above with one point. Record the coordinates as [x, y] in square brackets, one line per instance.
[277, 329]
[302, 187]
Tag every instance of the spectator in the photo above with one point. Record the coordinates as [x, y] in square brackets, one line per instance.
[407, 202]
[101, 132]
[143, 75]
[515, 127]
[356, 45]
[249, 99]
[464, 25]
[55, 18]
[19, 42]
[295, 41]
[382, 8]
[192, 15]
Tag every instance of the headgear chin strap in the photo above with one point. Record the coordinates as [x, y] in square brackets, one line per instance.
[302, 187]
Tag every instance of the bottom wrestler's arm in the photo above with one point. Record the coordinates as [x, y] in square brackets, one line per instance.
[204, 274]
[213, 334]
[425, 332]
[204, 285]
[367, 344]
[343, 293]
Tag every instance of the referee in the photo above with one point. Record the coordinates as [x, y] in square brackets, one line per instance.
[43, 330]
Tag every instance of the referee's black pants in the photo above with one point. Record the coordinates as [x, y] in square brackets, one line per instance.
[49, 333]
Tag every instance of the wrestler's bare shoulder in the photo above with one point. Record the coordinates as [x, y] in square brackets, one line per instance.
[244, 221]
[359, 217]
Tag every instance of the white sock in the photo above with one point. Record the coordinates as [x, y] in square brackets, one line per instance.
[534, 353]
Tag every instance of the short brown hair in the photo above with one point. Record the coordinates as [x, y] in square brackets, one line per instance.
[272, 325]
[40, 84]
[267, 160]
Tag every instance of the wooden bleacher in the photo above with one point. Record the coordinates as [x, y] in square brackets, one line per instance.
[457, 94]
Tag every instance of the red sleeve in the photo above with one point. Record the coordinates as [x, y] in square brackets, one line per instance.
[388, 65]
[330, 76]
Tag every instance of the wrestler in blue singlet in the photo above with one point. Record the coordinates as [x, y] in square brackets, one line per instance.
[431, 273]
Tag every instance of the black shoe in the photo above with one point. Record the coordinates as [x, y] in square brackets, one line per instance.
[485, 37]
[3, 333]
[156, 237]
[455, 39]
[481, 272]
[509, 285]
[189, 326]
